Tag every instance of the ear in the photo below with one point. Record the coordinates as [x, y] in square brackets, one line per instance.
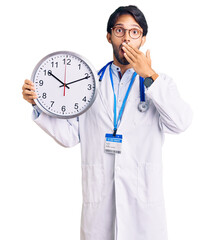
[143, 40]
[109, 37]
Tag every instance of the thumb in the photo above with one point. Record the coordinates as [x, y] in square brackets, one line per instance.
[148, 54]
[148, 57]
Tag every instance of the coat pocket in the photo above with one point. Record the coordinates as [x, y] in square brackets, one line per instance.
[150, 187]
[92, 183]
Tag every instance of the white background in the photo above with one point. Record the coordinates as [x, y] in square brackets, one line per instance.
[40, 181]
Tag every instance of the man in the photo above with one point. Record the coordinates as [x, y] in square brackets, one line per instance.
[122, 193]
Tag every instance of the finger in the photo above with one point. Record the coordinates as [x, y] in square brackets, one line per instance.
[27, 81]
[28, 92]
[148, 54]
[128, 58]
[29, 100]
[29, 87]
[135, 49]
[129, 49]
[27, 97]
[130, 53]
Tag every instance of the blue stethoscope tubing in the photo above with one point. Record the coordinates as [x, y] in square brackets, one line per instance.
[143, 105]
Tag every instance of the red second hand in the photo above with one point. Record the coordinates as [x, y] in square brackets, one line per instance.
[64, 89]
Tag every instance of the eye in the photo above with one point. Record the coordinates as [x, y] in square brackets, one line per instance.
[119, 30]
[135, 31]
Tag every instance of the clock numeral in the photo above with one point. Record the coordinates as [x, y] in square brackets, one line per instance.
[87, 75]
[67, 61]
[41, 82]
[44, 95]
[47, 72]
[89, 87]
[76, 106]
[63, 109]
[52, 103]
[54, 64]
[79, 66]
[84, 99]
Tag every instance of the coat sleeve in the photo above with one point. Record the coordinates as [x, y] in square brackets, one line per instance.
[175, 115]
[65, 132]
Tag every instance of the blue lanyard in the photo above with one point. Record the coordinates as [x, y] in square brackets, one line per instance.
[116, 120]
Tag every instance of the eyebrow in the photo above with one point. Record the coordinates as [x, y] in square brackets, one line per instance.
[132, 25]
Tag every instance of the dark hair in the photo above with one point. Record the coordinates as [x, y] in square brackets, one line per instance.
[134, 12]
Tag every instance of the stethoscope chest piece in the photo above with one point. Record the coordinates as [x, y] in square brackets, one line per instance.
[143, 106]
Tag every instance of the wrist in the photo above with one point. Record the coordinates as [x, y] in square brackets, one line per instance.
[149, 73]
[150, 79]
[154, 76]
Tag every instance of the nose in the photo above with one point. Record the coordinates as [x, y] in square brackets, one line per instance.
[126, 37]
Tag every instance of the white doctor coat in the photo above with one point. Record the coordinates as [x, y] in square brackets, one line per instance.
[122, 193]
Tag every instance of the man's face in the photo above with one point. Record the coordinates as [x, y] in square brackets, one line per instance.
[126, 22]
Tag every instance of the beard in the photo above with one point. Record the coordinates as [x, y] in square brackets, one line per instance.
[116, 51]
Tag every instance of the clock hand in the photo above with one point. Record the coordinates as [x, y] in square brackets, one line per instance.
[50, 73]
[76, 81]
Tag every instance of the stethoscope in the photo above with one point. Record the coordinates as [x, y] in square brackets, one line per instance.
[143, 104]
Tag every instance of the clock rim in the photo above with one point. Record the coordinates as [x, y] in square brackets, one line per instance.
[91, 68]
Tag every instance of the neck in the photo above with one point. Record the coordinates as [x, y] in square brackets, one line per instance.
[122, 67]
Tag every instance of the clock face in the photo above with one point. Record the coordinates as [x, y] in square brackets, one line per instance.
[65, 84]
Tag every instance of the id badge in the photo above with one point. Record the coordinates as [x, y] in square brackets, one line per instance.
[113, 144]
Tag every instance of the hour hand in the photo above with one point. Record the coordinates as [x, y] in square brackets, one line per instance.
[50, 73]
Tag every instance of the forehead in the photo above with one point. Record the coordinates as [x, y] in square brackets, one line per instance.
[126, 20]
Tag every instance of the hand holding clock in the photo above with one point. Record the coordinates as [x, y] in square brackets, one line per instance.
[28, 91]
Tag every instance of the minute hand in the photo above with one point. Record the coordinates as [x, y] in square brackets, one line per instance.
[76, 81]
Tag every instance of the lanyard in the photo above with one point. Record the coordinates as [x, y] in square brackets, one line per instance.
[116, 120]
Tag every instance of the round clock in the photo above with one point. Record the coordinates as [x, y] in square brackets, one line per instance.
[65, 83]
